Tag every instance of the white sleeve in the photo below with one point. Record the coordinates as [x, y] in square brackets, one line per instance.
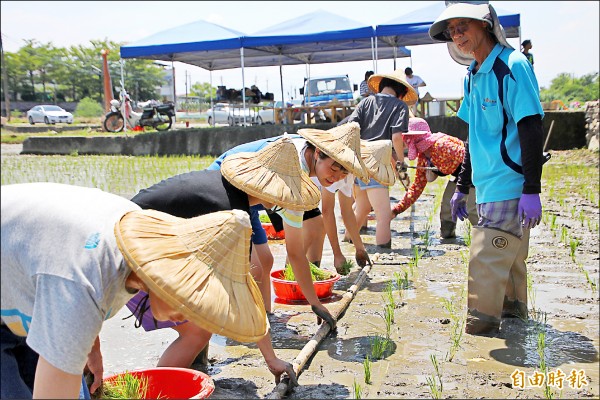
[344, 186]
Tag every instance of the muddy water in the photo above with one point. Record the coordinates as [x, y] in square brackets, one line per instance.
[481, 367]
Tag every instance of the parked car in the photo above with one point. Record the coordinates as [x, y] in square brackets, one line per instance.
[49, 114]
[267, 115]
[229, 114]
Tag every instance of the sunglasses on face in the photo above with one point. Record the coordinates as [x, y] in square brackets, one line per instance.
[458, 29]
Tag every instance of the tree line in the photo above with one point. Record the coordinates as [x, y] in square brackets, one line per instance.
[43, 72]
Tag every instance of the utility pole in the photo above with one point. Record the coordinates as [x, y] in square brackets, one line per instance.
[5, 82]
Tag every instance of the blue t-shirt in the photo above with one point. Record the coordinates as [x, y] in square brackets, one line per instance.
[502, 92]
[250, 147]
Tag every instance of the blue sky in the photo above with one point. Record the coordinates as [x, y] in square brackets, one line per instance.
[565, 35]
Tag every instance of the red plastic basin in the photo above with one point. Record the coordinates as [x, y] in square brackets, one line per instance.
[290, 290]
[271, 233]
[173, 383]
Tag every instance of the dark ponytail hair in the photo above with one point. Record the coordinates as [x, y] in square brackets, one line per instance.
[398, 88]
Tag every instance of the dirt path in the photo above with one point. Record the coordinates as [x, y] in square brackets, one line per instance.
[480, 368]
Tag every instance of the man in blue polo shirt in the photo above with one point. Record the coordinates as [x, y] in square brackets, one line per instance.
[503, 161]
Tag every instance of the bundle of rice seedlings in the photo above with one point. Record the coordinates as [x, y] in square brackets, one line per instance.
[124, 386]
[316, 273]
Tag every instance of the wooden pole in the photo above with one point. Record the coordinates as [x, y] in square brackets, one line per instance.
[548, 136]
[309, 349]
[107, 83]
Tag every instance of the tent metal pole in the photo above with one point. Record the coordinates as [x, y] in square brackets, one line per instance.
[174, 91]
[281, 82]
[123, 88]
[243, 84]
[373, 54]
[395, 55]
[376, 55]
[212, 108]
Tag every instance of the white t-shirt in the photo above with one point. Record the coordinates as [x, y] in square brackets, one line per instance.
[415, 81]
[62, 273]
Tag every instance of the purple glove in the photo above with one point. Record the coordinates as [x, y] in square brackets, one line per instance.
[458, 206]
[530, 210]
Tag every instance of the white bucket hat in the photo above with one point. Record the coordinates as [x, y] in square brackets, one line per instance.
[480, 12]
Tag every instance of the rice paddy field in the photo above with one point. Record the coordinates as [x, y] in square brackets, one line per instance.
[402, 335]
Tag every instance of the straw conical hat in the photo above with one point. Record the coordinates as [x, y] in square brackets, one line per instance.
[273, 174]
[411, 96]
[377, 156]
[198, 266]
[342, 144]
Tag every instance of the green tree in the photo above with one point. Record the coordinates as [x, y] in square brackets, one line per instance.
[568, 88]
[88, 108]
[204, 91]
[73, 73]
[31, 63]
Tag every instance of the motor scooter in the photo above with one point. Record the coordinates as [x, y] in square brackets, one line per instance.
[157, 116]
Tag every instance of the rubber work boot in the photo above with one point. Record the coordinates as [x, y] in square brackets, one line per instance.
[515, 298]
[493, 253]
[447, 229]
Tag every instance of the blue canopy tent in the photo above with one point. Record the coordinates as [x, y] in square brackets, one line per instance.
[320, 37]
[413, 28]
[302, 40]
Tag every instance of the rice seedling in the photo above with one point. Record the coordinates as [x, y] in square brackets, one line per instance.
[593, 283]
[581, 217]
[401, 279]
[388, 318]
[414, 261]
[124, 386]
[346, 267]
[553, 223]
[541, 351]
[453, 306]
[573, 244]
[467, 230]
[531, 295]
[121, 175]
[316, 273]
[436, 386]
[464, 256]
[379, 346]
[564, 234]
[357, 389]
[367, 367]
[388, 295]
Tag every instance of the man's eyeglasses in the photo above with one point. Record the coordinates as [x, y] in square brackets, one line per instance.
[459, 29]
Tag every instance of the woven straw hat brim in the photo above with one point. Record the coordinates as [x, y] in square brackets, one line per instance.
[411, 96]
[247, 173]
[199, 267]
[342, 144]
[377, 156]
[273, 174]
